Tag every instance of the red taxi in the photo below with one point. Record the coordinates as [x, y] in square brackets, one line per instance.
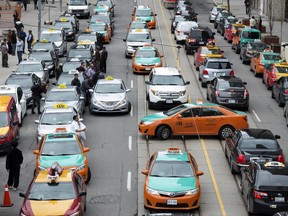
[231, 30]
[204, 52]
[273, 72]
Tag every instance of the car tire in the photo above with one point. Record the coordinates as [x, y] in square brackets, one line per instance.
[129, 108]
[272, 95]
[88, 177]
[225, 151]
[237, 50]
[232, 170]
[207, 96]
[246, 108]
[17, 135]
[225, 131]
[280, 102]
[20, 120]
[199, 78]
[268, 87]
[197, 68]
[163, 132]
[203, 84]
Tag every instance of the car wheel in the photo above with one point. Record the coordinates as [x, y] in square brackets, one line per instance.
[225, 131]
[129, 107]
[233, 171]
[237, 50]
[250, 212]
[88, 177]
[163, 132]
[225, 151]
[280, 103]
[18, 135]
[203, 84]
[272, 95]
[207, 96]
[268, 87]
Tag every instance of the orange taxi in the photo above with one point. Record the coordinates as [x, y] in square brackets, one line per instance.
[193, 119]
[231, 30]
[170, 188]
[274, 72]
[100, 27]
[144, 13]
[204, 52]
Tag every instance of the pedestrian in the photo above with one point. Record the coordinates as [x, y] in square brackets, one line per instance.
[35, 4]
[23, 36]
[81, 68]
[97, 58]
[15, 16]
[4, 51]
[100, 40]
[58, 71]
[14, 160]
[19, 9]
[103, 59]
[9, 41]
[78, 127]
[91, 71]
[252, 22]
[85, 86]
[25, 4]
[75, 81]
[18, 25]
[19, 46]
[247, 5]
[13, 42]
[7, 3]
[30, 39]
[37, 89]
[98, 75]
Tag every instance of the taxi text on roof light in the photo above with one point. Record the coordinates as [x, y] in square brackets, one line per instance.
[109, 78]
[83, 42]
[51, 29]
[63, 19]
[174, 151]
[60, 106]
[210, 45]
[44, 40]
[75, 59]
[274, 164]
[62, 86]
[138, 30]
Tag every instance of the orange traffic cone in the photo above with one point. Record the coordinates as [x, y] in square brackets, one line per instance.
[6, 200]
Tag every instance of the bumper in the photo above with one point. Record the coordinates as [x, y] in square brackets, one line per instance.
[82, 14]
[143, 69]
[151, 24]
[206, 78]
[101, 109]
[237, 103]
[260, 207]
[164, 104]
[212, 17]
[5, 146]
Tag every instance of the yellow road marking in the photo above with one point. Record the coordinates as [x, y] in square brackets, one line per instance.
[213, 178]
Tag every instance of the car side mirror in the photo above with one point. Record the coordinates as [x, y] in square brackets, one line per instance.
[245, 83]
[86, 149]
[83, 193]
[128, 90]
[22, 195]
[277, 137]
[36, 152]
[222, 51]
[13, 71]
[199, 173]
[43, 98]
[145, 172]
[178, 116]
[82, 98]
[37, 122]
[91, 90]
[67, 4]
[187, 82]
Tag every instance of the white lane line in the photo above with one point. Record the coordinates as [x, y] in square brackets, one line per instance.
[129, 181]
[130, 143]
[131, 84]
[256, 115]
[131, 112]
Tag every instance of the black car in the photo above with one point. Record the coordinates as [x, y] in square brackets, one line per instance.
[221, 14]
[105, 17]
[69, 28]
[70, 17]
[175, 20]
[48, 57]
[81, 52]
[197, 37]
[229, 91]
[264, 187]
[281, 214]
[245, 144]
[248, 50]
[45, 45]
[224, 22]
[280, 90]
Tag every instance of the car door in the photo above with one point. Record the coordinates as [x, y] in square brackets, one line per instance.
[22, 101]
[13, 119]
[184, 123]
[211, 90]
[277, 87]
[80, 187]
[267, 74]
[233, 146]
[254, 61]
[230, 143]
[197, 56]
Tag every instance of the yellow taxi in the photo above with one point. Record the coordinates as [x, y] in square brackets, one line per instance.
[274, 72]
[55, 192]
[196, 118]
[203, 52]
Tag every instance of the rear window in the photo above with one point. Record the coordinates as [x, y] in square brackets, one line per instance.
[195, 34]
[267, 144]
[250, 35]
[219, 65]
[271, 57]
[226, 85]
[281, 69]
[274, 177]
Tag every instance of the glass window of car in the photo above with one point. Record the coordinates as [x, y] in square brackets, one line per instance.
[58, 148]
[62, 96]
[138, 25]
[103, 17]
[279, 69]
[62, 118]
[3, 119]
[65, 25]
[206, 112]
[250, 35]
[52, 191]
[89, 37]
[172, 169]
[174, 110]
[218, 65]
[151, 161]
[146, 54]
[207, 34]
[29, 68]
[269, 57]
[97, 27]
[223, 84]
[143, 13]
[132, 37]
[78, 2]
[54, 37]
[167, 80]
[195, 34]
[110, 88]
[108, 3]
[67, 66]
[39, 56]
[273, 177]
[257, 46]
[187, 113]
[24, 82]
[79, 53]
[43, 46]
[66, 78]
[268, 144]
[184, 26]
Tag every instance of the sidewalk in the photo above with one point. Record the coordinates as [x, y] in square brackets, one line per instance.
[29, 19]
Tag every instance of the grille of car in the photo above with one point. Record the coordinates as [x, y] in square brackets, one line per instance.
[148, 64]
[179, 205]
[77, 11]
[169, 95]
[172, 194]
[109, 103]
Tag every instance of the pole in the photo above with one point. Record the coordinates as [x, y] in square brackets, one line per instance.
[39, 18]
[48, 11]
[60, 5]
[228, 5]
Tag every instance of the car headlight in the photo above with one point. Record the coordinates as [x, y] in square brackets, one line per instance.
[129, 48]
[75, 214]
[138, 64]
[81, 167]
[22, 214]
[147, 122]
[151, 191]
[4, 136]
[123, 102]
[192, 192]
[182, 93]
[157, 64]
[155, 92]
[96, 102]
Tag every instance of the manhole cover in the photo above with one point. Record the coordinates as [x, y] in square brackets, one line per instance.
[105, 199]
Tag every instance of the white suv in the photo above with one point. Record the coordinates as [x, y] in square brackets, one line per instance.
[166, 88]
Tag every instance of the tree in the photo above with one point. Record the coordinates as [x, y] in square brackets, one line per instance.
[270, 16]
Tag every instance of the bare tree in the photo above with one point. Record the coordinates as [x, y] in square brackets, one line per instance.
[270, 16]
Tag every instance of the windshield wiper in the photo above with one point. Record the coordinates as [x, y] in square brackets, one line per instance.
[34, 198]
[64, 154]
[44, 154]
[46, 123]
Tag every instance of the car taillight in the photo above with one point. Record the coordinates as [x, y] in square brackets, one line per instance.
[286, 91]
[246, 93]
[205, 72]
[231, 73]
[259, 195]
[192, 40]
[217, 92]
[241, 159]
[280, 158]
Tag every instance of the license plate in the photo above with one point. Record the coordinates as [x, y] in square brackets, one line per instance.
[77, 14]
[109, 108]
[279, 199]
[147, 68]
[169, 101]
[201, 42]
[171, 202]
[231, 101]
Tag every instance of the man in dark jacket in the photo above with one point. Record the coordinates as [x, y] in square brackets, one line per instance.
[81, 68]
[103, 59]
[23, 36]
[37, 90]
[76, 81]
[13, 161]
[30, 39]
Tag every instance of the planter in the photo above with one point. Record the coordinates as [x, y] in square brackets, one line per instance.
[269, 39]
[263, 28]
[276, 47]
[246, 21]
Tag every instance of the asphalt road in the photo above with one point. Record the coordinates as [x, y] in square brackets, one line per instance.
[118, 153]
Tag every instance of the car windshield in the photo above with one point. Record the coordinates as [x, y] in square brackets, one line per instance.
[179, 18]
[143, 13]
[270, 57]
[138, 25]
[66, 25]
[174, 110]
[103, 18]
[43, 46]
[250, 35]
[52, 191]
[22, 81]
[257, 46]
[3, 119]
[279, 69]
[54, 37]
[168, 80]
[87, 37]
[57, 148]
[195, 34]
[131, 37]
[66, 79]
[219, 65]
[97, 27]
[146, 54]
[61, 118]
[79, 53]
[39, 56]
[207, 51]
[24, 68]
[109, 88]
[172, 169]
[62, 96]
[267, 144]
[78, 2]
[108, 3]
[222, 85]
[71, 66]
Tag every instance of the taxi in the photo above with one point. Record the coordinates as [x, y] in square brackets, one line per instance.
[65, 148]
[67, 95]
[204, 52]
[137, 24]
[196, 118]
[60, 115]
[83, 52]
[71, 17]
[145, 13]
[274, 72]
[167, 187]
[215, 9]
[87, 38]
[244, 35]
[55, 192]
[68, 26]
[230, 31]
[260, 60]
[100, 7]
[146, 58]
[102, 28]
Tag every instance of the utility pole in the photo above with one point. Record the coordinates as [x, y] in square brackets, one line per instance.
[228, 5]
[39, 18]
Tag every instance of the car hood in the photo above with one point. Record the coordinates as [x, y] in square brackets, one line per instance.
[148, 18]
[44, 129]
[168, 88]
[64, 160]
[147, 60]
[77, 7]
[153, 117]
[109, 97]
[54, 207]
[171, 184]
[4, 130]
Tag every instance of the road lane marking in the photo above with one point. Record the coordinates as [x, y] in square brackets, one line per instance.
[213, 178]
[131, 84]
[256, 115]
[129, 181]
[131, 111]
[130, 143]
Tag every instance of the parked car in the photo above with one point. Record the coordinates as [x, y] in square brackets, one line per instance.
[280, 90]
[182, 29]
[249, 49]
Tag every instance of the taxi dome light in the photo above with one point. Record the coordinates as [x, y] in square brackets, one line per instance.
[274, 164]
[109, 78]
[60, 106]
[173, 150]
[62, 86]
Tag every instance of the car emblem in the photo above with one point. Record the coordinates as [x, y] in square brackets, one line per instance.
[172, 194]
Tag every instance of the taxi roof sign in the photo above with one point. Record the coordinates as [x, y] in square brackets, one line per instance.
[274, 164]
[173, 150]
[60, 106]
[109, 78]
[60, 130]
[63, 19]
[44, 40]
[62, 86]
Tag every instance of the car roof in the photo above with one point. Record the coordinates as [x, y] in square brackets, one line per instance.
[51, 109]
[8, 88]
[257, 133]
[230, 78]
[108, 81]
[166, 156]
[64, 177]
[247, 28]
[147, 47]
[164, 71]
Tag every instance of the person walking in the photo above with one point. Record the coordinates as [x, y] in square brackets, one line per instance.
[19, 9]
[18, 26]
[91, 71]
[15, 17]
[100, 40]
[97, 58]
[78, 127]
[85, 86]
[25, 4]
[13, 42]
[23, 36]
[252, 22]
[9, 41]
[103, 59]
[58, 71]
[14, 160]
[30, 39]
[35, 4]
[37, 89]
[247, 6]
[19, 46]
[4, 51]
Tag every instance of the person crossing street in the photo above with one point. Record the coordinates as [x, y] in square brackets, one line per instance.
[103, 59]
